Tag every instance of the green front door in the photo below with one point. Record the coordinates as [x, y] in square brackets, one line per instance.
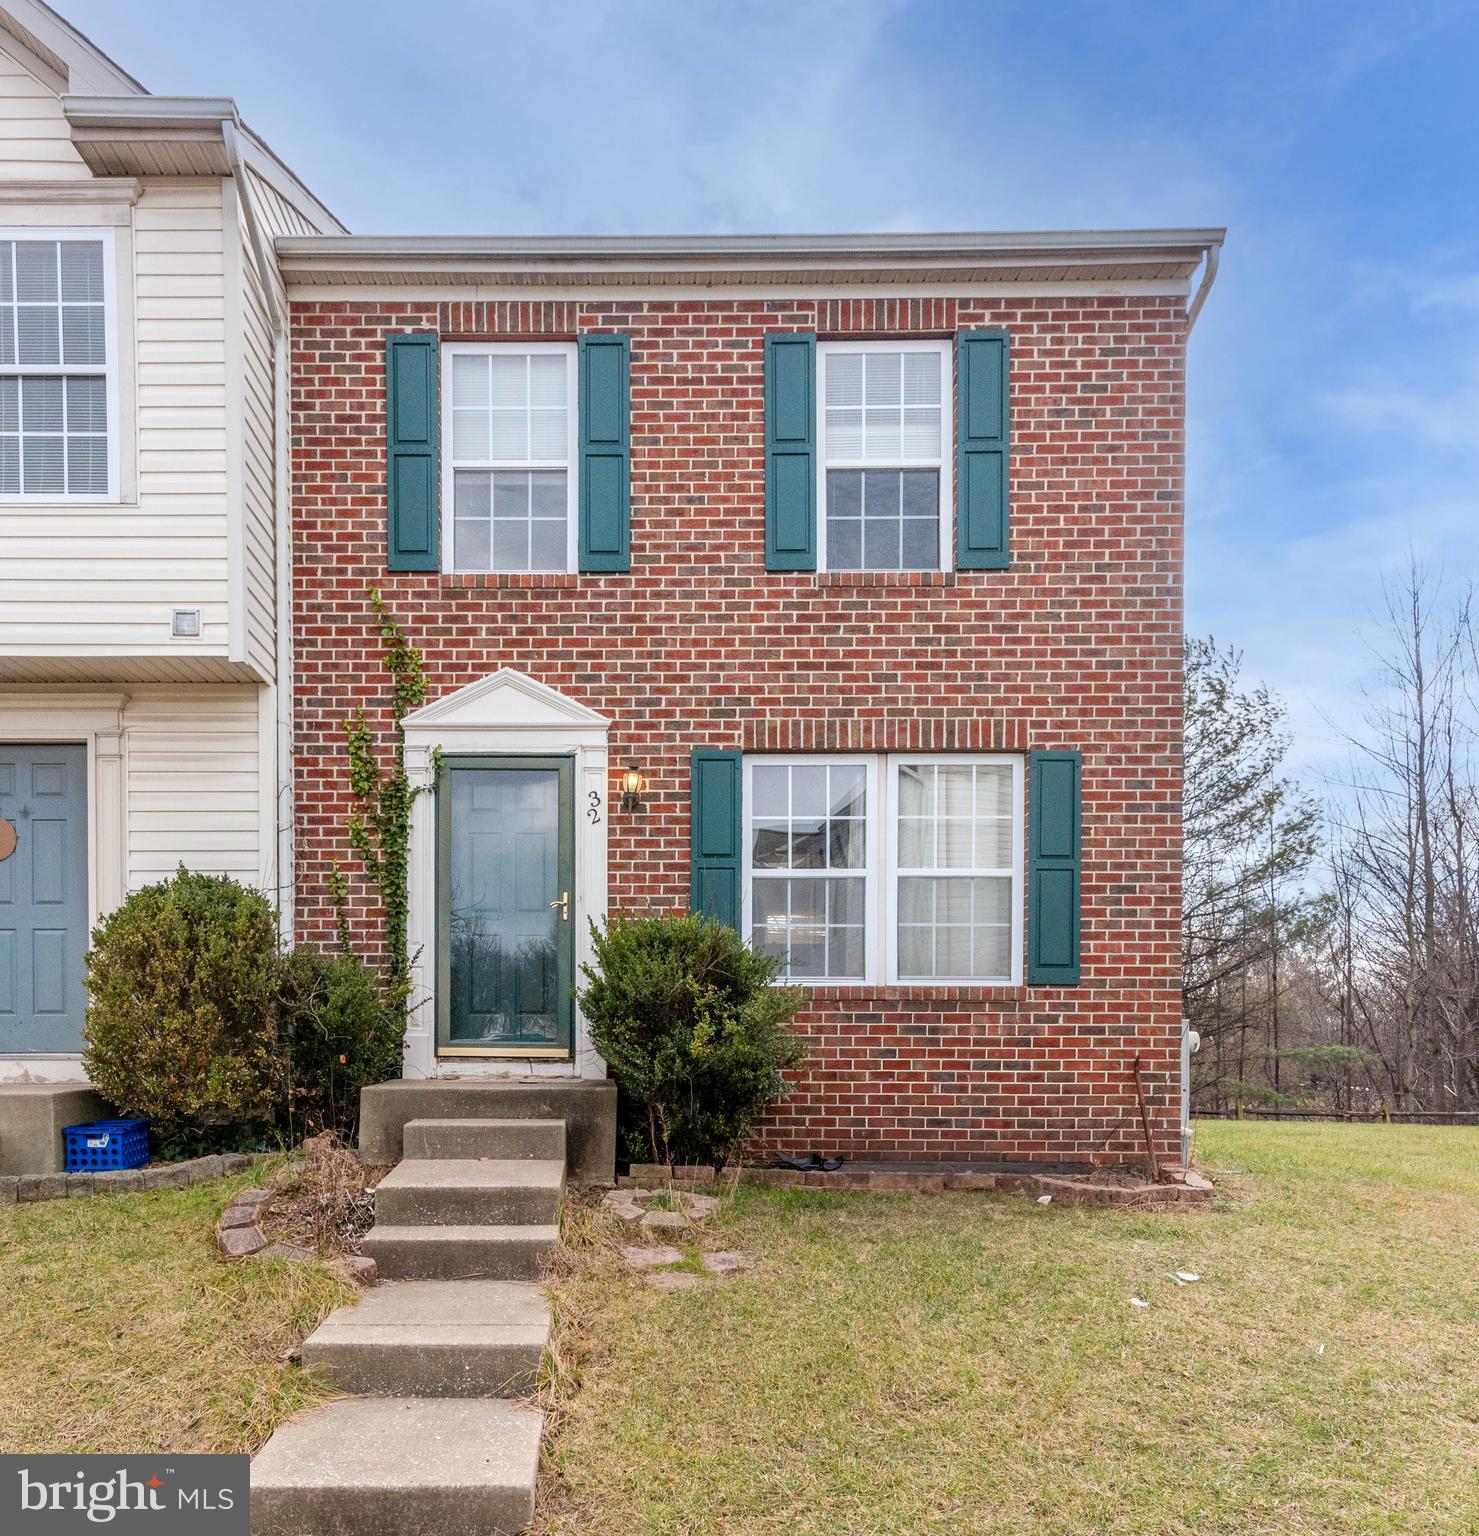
[505, 898]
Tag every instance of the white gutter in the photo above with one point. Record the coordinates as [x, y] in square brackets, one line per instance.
[282, 685]
[1187, 244]
[1209, 276]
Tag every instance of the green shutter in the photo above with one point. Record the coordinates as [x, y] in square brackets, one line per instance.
[716, 830]
[605, 452]
[412, 478]
[791, 451]
[982, 371]
[1053, 863]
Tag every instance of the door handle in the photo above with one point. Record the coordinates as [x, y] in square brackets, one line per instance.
[562, 901]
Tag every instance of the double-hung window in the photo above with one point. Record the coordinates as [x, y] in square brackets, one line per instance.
[508, 453]
[58, 394]
[906, 868]
[884, 418]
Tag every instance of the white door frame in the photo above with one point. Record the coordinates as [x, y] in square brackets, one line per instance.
[94, 719]
[506, 713]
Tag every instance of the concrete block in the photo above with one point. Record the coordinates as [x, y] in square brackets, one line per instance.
[40, 1186]
[118, 1181]
[8, 1183]
[32, 1118]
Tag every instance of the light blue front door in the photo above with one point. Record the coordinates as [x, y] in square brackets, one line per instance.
[43, 898]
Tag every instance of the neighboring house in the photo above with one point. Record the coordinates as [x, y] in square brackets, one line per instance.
[862, 554]
[142, 490]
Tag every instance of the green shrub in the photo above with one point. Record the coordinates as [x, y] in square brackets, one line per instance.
[182, 1013]
[684, 1013]
[340, 1030]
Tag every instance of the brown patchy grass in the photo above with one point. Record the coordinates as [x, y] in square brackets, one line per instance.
[121, 1330]
[958, 1364]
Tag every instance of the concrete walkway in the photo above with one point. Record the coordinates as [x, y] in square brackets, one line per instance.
[432, 1444]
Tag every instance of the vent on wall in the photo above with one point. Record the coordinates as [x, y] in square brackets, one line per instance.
[184, 624]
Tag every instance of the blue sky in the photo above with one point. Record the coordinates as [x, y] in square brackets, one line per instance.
[1334, 376]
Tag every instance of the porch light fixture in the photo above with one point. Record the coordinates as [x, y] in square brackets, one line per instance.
[632, 785]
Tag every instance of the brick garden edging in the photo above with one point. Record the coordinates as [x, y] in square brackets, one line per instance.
[1186, 1187]
[26, 1188]
[239, 1235]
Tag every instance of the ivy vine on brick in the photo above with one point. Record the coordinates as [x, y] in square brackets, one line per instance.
[380, 829]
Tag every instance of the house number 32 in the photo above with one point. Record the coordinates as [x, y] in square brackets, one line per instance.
[593, 810]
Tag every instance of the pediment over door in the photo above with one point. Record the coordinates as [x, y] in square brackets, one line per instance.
[506, 700]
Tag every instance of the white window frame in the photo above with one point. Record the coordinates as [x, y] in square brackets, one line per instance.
[571, 466]
[870, 871]
[895, 762]
[945, 463]
[881, 870]
[109, 369]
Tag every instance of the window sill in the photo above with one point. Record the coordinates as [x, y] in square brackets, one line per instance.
[527, 580]
[937, 992]
[885, 578]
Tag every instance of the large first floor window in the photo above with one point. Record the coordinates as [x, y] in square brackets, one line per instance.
[508, 448]
[898, 868]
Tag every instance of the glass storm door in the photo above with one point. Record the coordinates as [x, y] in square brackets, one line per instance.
[506, 867]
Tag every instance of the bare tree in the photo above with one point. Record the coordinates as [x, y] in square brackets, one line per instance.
[1403, 964]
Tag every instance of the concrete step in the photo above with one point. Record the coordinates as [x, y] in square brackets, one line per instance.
[587, 1106]
[485, 1138]
[427, 1191]
[399, 1467]
[460, 1252]
[434, 1338]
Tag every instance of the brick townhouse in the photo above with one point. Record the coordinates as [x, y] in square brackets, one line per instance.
[831, 585]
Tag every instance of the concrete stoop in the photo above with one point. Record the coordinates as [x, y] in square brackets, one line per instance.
[464, 1225]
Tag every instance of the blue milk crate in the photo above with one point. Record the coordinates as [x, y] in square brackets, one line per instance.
[102, 1144]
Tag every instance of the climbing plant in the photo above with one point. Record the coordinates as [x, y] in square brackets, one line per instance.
[380, 828]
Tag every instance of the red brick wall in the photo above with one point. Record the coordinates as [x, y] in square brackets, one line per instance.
[1077, 645]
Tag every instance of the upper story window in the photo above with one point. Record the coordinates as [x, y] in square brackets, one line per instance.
[508, 451]
[884, 422]
[905, 868]
[58, 394]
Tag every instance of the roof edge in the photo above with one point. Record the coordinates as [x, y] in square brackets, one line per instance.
[152, 116]
[1064, 244]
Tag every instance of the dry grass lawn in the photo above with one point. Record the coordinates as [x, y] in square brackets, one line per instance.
[971, 1364]
[121, 1330]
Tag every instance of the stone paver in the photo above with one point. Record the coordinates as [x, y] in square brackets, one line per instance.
[648, 1258]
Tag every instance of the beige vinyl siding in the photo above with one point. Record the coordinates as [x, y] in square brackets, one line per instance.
[193, 786]
[277, 214]
[34, 139]
[103, 579]
[258, 469]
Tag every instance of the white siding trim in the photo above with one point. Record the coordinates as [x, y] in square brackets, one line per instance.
[231, 294]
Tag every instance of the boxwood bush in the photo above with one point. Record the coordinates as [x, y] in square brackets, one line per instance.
[694, 1033]
[198, 1022]
[182, 1013]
